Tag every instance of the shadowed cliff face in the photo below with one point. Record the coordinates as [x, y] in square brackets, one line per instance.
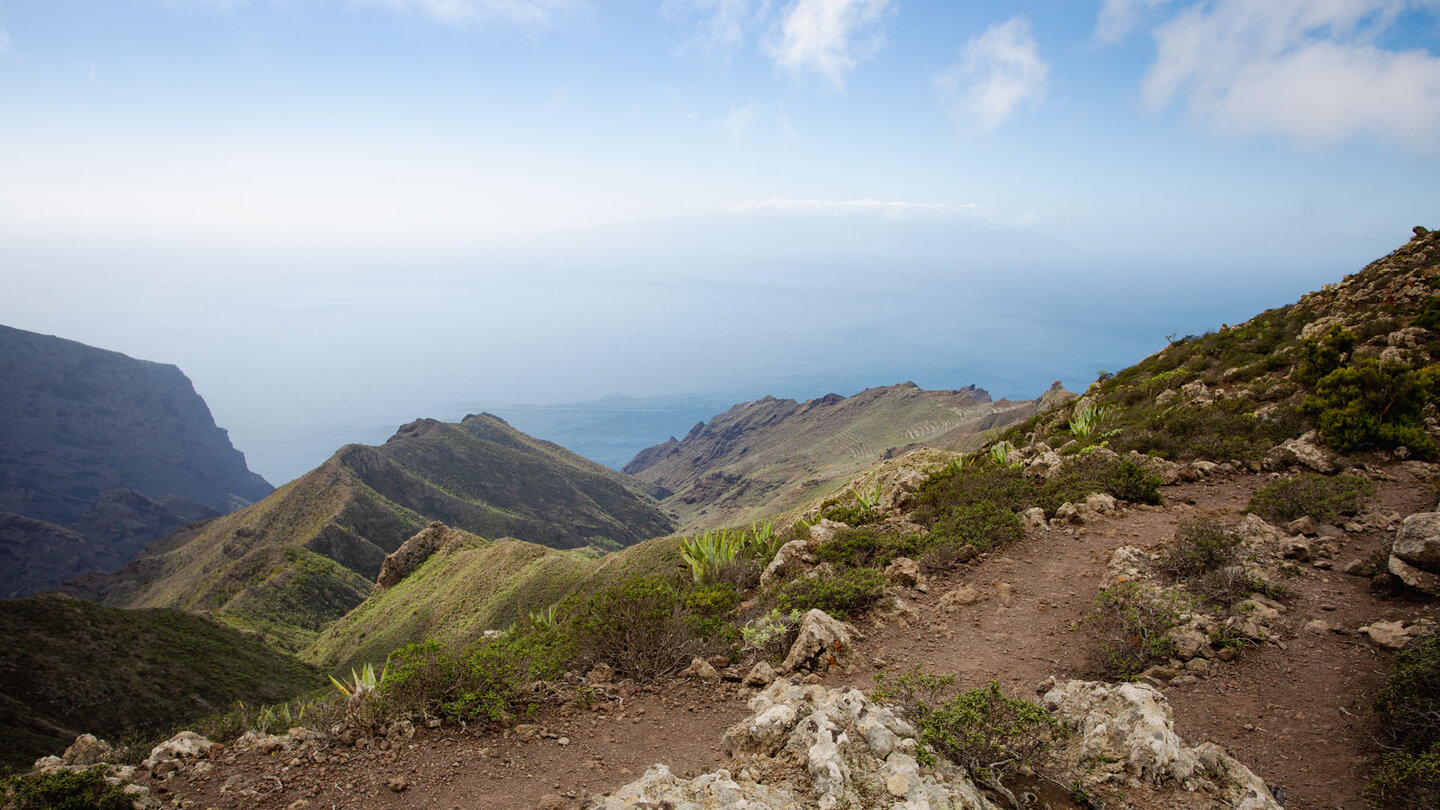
[121, 451]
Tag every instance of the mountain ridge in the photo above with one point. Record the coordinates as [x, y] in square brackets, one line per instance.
[300, 559]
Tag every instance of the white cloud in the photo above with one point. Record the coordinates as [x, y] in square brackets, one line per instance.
[829, 37]
[998, 71]
[1312, 71]
[515, 12]
[720, 26]
[91, 73]
[889, 209]
[739, 120]
[1119, 17]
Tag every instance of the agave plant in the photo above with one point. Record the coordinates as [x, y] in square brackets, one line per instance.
[706, 553]
[1000, 453]
[543, 618]
[361, 681]
[1086, 419]
[869, 501]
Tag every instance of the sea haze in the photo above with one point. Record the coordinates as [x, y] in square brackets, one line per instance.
[610, 340]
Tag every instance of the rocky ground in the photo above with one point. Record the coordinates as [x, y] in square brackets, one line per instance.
[1294, 708]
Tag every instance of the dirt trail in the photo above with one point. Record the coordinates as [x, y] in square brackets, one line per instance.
[1298, 712]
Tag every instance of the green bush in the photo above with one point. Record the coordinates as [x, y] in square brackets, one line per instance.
[1199, 547]
[841, 594]
[709, 608]
[1133, 623]
[497, 674]
[1324, 499]
[1373, 404]
[64, 790]
[1407, 780]
[867, 546]
[487, 682]
[1094, 472]
[990, 735]
[1409, 709]
[1323, 355]
[980, 525]
[639, 626]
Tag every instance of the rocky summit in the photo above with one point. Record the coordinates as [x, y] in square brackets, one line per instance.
[764, 457]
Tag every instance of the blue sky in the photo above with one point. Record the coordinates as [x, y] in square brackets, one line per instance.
[231, 185]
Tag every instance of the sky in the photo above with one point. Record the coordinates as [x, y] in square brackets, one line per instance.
[339, 215]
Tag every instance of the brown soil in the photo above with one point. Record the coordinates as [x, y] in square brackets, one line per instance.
[1297, 711]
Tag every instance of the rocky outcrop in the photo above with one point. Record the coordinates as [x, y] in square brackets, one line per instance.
[809, 747]
[821, 642]
[1126, 732]
[121, 451]
[399, 563]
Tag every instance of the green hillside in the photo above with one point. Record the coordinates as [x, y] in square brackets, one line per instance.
[297, 561]
[1357, 361]
[71, 667]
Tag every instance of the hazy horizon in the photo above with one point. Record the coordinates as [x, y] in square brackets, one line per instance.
[337, 216]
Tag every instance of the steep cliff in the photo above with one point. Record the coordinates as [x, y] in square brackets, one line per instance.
[122, 451]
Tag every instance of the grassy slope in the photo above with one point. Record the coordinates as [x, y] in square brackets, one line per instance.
[765, 457]
[1251, 367]
[467, 588]
[292, 564]
[72, 666]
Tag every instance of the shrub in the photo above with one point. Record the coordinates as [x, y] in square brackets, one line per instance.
[1323, 355]
[64, 790]
[990, 735]
[497, 674]
[865, 546]
[736, 556]
[1371, 404]
[1094, 472]
[771, 634]
[979, 525]
[1409, 709]
[1199, 547]
[639, 626]
[1324, 499]
[1133, 623]
[840, 594]
[708, 608]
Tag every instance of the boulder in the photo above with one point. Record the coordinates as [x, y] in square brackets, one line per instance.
[956, 597]
[87, 750]
[1127, 732]
[414, 551]
[822, 641]
[177, 752]
[1034, 518]
[1414, 578]
[701, 670]
[1390, 635]
[1418, 541]
[760, 675]
[1101, 503]
[904, 572]
[661, 788]
[1308, 452]
[796, 556]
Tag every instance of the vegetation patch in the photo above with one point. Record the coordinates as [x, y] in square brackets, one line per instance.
[1199, 547]
[1409, 710]
[842, 593]
[63, 790]
[990, 735]
[1133, 623]
[1322, 498]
